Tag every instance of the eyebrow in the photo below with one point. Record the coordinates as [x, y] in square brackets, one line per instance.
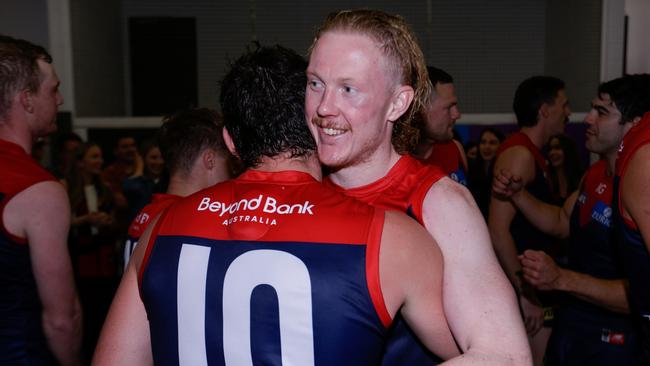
[600, 108]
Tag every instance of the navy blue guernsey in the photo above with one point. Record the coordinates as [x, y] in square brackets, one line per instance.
[635, 255]
[592, 250]
[22, 341]
[268, 269]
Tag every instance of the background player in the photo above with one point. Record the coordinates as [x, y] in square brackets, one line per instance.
[192, 145]
[436, 143]
[39, 307]
[542, 110]
[632, 199]
[591, 325]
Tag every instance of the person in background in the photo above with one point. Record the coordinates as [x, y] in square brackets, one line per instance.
[542, 109]
[480, 169]
[565, 166]
[93, 238]
[437, 143]
[40, 314]
[194, 152]
[66, 146]
[593, 324]
[631, 202]
[149, 177]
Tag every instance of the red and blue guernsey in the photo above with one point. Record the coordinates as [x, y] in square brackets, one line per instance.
[525, 235]
[22, 341]
[403, 189]
[266, 269]
[449, 158]
[636, 258]
[159, 202]
[593, 252]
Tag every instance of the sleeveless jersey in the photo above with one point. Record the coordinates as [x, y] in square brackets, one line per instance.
[269, 268]
[525, 235]
[159, 202]
[21, 336]
[592, 247]
[404, 189]
[449, 158]
[636, 259]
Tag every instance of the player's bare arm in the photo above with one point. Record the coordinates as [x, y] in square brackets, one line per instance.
[635, 192]
[472, 276]
[46, 228]
[124, 339]
[551, 219]
[411, 269]
[520, 162]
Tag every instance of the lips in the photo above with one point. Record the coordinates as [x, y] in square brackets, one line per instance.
[328, 128]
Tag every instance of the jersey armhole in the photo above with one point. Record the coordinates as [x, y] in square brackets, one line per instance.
[150, 245]
[372, 267]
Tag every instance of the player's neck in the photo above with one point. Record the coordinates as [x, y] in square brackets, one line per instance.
[424, 148]
[610, 158]
[18, 137]
[536, 135]
[367, 171]
[307, 164]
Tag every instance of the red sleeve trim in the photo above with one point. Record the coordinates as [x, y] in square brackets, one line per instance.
[372, 267]
[150, 245]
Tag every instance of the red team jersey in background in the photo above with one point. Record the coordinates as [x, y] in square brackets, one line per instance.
[21, 336]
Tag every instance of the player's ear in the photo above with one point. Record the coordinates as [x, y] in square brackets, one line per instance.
[543, 111]
[26, 100]
[402, 99]
[229, 143]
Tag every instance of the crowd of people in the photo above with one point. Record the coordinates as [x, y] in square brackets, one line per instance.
[328, 214]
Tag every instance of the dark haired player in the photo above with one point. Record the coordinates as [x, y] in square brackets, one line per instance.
[40, 315]
[192, 145]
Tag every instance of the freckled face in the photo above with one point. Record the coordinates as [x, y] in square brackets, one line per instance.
[348, 98]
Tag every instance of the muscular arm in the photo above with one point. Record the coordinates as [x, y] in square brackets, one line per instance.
[635, 192]
[410, 267]
[520, 162]
[124, 339]
[40, 214]
[478, 300]
[551, 219]
[542, 272]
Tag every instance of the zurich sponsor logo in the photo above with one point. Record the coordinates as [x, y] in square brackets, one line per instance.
[459, 176]
[602, 214]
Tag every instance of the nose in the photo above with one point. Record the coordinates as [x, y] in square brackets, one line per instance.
[59, 98]
[455, 113]
[327, 105]
[590, 118]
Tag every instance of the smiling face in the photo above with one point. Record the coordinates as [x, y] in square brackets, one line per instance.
[154, 162]
[604, 132]
[555, 153]
[488, 145]
[349, 99]
[92, 160]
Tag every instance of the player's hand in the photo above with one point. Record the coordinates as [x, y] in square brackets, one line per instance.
[533, 315]
[505, 184]
[540, 270]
